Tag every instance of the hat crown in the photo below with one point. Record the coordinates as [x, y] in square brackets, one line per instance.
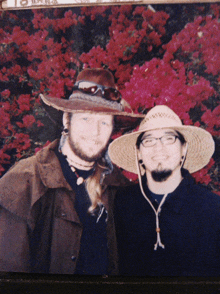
[160, 116]
[97, 75]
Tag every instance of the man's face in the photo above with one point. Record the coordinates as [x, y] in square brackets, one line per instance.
[89, 134]
[162, 159]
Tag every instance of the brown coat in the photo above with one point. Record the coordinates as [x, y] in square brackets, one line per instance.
[33, 181]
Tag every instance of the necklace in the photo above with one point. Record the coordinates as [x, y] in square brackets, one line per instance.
[79, 180]
[79, 165]
[69, 154]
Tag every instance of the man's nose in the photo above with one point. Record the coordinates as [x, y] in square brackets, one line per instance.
[95, 129]
[159, 145]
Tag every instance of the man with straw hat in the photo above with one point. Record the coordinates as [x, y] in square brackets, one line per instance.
[56, 206]
[166, 225]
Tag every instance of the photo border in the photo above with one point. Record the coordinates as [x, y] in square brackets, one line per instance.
[51, 283]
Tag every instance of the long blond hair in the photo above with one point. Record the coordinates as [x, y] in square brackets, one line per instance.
[94, 189]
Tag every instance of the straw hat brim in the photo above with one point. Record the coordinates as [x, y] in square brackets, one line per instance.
[200, 148]
[123, 119]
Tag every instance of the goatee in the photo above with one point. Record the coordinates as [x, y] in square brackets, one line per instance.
[161, 175]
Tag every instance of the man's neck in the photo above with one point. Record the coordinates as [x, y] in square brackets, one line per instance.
[75, 160]
[167, 186]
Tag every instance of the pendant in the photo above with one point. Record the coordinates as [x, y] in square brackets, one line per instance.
[73, 168]
[79, 181]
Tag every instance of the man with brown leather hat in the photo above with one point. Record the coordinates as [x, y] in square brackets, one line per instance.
[56, 206]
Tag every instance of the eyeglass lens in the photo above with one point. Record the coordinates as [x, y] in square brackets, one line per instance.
[166, 140]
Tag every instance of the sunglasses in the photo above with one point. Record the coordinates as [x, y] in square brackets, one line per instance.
[92, 88]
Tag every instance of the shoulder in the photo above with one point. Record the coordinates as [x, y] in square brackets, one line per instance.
[16, 186]
[129, 189]
[116, 178]
[205, 199]
[207, 196]
[47, 154]
[128, 195]
[23, 169]
[207, 207]
[28, 167]
[22, 185]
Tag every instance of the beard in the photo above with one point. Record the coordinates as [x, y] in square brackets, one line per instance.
[83, 155]
[161, 175]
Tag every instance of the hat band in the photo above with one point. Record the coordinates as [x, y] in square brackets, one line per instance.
[97, 100]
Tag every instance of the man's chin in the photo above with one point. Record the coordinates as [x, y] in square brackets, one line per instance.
[91, 156]
[161, 175]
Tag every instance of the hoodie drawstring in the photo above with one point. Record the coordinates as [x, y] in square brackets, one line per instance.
[157, 212]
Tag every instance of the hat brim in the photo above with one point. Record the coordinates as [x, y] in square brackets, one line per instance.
[123, 119]
[200, 148]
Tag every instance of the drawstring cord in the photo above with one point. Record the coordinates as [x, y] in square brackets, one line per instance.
[158, 224]
[100, 213]
[157, 212]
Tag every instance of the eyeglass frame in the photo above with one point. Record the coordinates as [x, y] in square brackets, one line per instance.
[100, 87]
[160, 138]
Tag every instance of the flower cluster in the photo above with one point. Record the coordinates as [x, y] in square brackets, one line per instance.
[158, 82]
[132, 30]
[198, 44]
[41, 52]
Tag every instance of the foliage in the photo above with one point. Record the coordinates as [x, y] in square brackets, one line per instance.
[156, 57]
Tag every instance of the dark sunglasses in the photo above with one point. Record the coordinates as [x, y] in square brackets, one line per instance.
[92, 88]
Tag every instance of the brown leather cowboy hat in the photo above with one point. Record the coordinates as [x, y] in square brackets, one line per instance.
[95, 92]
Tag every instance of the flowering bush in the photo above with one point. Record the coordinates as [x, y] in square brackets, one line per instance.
[43, 50]
[132, 31]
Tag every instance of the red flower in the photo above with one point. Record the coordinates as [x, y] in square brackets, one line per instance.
[28, 121]
[24, 102]
[6, 93]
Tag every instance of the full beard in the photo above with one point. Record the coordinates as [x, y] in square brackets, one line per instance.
[161, 175]
[81, 154]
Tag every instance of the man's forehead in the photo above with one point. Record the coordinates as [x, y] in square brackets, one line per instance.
[160, 132]
[95, 115]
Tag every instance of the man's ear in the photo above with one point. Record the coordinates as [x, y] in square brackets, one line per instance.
[139, 157]
[184, 153]
[140, 162]
[184, 149]
[65, 120]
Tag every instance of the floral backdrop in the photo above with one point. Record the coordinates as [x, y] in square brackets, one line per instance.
[159, 54]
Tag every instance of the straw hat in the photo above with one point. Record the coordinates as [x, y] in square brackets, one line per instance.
[110, 102]
[200, 142]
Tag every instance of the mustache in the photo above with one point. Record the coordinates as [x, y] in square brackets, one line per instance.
[96, 142]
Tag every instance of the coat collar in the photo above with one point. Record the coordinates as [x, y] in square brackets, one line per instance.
[49, 167]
